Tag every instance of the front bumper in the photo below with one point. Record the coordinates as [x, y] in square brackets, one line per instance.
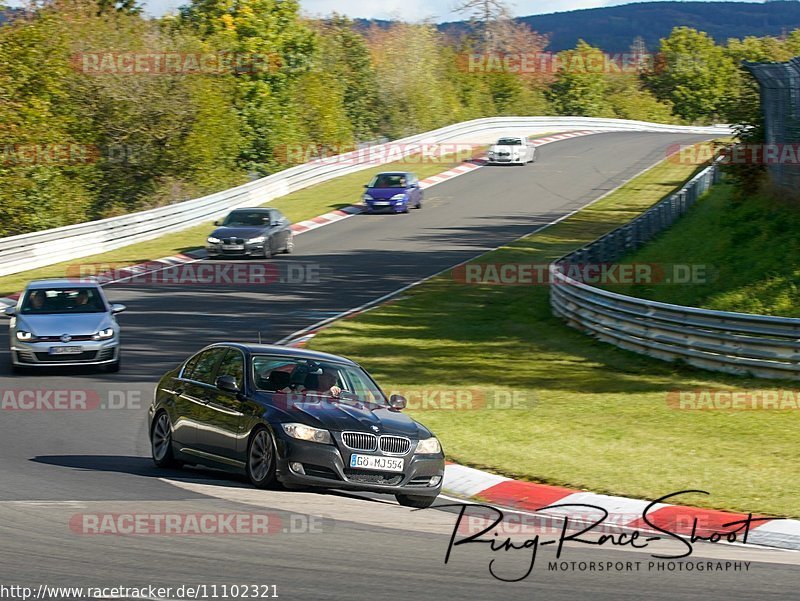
[37, 354]
[327, 466]
[394, 206]
[504, 161]
[241, 250]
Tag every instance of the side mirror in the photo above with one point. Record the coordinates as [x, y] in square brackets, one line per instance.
[117, 308]
[10, 311]
[217, 222]
[366, 185]
[275, 223]
[397, 401]
[227, 383]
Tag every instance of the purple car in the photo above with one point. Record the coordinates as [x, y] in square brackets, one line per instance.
[394, 191]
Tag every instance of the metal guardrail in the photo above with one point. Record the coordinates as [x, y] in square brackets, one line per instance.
[28, 251]
[737, 343]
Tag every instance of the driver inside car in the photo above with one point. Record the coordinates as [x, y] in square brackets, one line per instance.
[323, 383]
[327, 382]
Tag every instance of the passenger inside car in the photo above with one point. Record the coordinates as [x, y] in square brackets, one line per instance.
[276, 381]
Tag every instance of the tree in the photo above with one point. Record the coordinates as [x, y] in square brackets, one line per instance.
[412, 82]
[486, 17]
[581, 87]
[344, 56]
[264, 29]
[629, 100]
[692, 73]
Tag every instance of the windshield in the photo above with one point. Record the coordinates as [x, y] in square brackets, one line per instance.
[315, 379]
[245, 218]
[509, 142]
[388, 180]
[63, 300]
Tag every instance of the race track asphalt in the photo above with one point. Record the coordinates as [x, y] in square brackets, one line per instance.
[59, 465]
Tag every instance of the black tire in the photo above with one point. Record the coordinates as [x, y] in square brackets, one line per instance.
[416, 501]
[267, 254]
[18, 369]
[161, 442]
[287, 250]
[260, 464]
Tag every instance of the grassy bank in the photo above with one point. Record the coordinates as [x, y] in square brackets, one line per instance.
[595, 417]
[748, 250]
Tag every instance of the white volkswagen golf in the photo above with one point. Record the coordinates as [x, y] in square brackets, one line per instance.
[64, 322]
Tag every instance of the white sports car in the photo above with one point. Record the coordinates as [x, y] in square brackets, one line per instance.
[511, 150]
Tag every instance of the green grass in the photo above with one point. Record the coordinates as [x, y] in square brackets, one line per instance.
[303, 204]
[751, 248]
[600, 419]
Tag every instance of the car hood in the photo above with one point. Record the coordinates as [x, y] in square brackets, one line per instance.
[385, 193]
[238, 232]
[340, 416]
[76, 324]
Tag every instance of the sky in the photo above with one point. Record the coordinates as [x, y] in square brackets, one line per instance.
[408, 10]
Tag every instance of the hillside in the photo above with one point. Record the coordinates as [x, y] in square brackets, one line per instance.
[614, 28]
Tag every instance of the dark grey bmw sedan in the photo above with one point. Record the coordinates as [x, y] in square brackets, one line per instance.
[299, 417]
[256, 232]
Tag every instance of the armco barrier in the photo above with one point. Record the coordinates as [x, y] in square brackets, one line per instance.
[738, 343]
[28, 251]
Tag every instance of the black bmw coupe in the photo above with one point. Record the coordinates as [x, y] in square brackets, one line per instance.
[296, 416]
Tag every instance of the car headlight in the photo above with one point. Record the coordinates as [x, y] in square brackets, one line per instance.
[399, 197]
[303, 432]
[428, 446]
[256, 240]
[213, 240]
[104, 334]
[24, 336]
[366, 197]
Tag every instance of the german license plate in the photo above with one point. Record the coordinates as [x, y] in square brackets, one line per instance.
[66, 350]
[232, 247]
[374, 462]
[381, 203]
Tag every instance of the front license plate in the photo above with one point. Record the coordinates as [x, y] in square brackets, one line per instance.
[66, 350]
[380, 204]
[232, 247]
[373, 462]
